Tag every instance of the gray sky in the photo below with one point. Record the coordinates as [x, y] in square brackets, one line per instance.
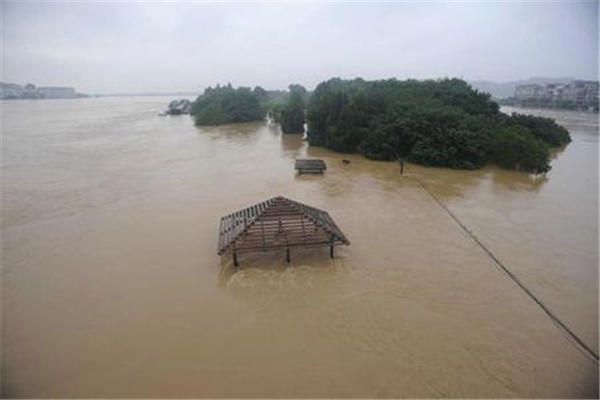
[148, 46]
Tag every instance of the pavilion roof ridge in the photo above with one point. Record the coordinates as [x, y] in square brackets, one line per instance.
[240, 224]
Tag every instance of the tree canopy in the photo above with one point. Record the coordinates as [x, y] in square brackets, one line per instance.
[433, 122]
[292, 113]
[224, 105]
[516, 148]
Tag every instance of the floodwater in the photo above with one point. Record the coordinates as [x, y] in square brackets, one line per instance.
[111, 285]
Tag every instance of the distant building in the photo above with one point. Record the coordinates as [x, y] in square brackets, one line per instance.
[525, 92]
[30, 91]
[584, 92]
[10, 91]
[575, 95]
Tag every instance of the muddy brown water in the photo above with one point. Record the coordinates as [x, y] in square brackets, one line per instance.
[111, 286]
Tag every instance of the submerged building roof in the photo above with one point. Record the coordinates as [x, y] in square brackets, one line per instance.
[315, 166]
[277, 223]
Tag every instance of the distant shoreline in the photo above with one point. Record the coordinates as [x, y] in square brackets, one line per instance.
[103, 96]
[146, 94]
[587, 111]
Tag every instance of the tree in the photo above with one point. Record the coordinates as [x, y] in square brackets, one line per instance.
[260, 93]
[516, 148]
[545, 129]
[292, 114]
[275, 102]
[434, 122]
[225, 105]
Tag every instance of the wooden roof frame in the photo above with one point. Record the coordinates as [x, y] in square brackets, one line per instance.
[277, 223]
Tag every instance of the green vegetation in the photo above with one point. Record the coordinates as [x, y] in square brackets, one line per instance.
[544, 129]
[438, 123]
[292, 103]
[224, 105]
[435, 122]
[516, 148]
[292, 113]
[275, 103]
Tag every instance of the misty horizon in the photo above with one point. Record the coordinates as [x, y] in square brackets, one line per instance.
[109, 48]
[201, 90]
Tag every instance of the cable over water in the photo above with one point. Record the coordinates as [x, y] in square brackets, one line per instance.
[565, 330]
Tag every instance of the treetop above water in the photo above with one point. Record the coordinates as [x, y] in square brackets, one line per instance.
[433, 122]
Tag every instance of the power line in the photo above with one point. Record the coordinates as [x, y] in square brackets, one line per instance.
[565, 330]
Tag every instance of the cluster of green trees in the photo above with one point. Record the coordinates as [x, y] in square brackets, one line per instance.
[292, 112]
[289, 108]
[433, 122]
[225, 105]
[275, 102]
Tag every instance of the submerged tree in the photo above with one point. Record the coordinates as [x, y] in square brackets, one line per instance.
[224, 105]
[292, 114]
[275, 103]
[544, 129]
[434, 122]
[516, 148]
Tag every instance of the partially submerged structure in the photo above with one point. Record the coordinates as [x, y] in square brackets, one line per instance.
[278, 223]
[310, 166]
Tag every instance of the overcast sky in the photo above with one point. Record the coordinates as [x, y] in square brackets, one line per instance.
[107, 47]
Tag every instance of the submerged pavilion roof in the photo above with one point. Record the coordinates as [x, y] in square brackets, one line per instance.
[278, 223]
[313, 166]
